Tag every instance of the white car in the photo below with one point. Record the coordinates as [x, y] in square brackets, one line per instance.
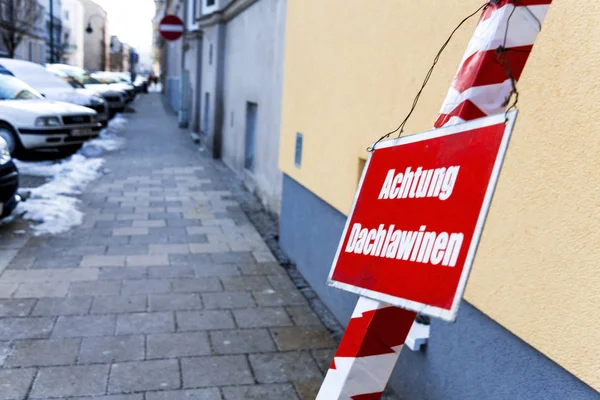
[30, 122]
[55, 88]
[115, 96]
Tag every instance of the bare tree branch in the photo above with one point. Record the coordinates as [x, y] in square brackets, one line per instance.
[19, 19]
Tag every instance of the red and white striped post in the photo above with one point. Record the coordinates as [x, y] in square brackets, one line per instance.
[376, 332]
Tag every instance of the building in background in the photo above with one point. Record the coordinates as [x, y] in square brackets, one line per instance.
[527, 328]
[232, 84]
[23, 30]
[96, 43]
[74, 32]
[54, 30]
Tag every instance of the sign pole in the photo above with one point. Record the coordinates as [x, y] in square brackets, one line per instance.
[376, 332]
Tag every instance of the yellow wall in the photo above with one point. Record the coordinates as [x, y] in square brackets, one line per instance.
[351, 73]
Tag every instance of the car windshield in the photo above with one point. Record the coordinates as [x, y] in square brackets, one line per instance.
[14, 89]
[68, 78]
[104, 78]
[34, 75]
[80, 75]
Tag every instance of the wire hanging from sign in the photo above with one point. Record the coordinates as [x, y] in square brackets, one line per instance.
[501, 56]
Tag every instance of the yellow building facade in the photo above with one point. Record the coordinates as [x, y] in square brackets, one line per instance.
[352, 69]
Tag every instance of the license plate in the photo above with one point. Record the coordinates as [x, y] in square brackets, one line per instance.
[81, 132]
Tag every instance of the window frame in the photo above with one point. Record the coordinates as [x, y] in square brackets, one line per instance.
[209, 9]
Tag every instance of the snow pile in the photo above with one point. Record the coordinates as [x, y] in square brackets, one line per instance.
[52, 205]
[108, 140]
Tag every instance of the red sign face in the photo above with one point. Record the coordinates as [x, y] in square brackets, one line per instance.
[412, 233]
[171, 27]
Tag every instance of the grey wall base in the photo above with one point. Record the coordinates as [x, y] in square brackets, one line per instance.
[472, 359]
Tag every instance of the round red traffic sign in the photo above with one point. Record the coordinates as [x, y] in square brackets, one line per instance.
[171, 27]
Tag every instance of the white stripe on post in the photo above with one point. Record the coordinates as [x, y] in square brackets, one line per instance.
[364, 375]
[171, 28]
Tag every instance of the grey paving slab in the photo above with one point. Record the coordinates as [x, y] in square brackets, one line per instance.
[14, 383]
[144, 376]
[261, 392]
[82, 380]
[204, 320]
[107, 349]
[208, 284]
[220, 300]
[138, 396]
[36, 353]
[184, 344]
[262, 317]
[62, 306]
[16, 307]
[284, 367]
[189, 394]
[145, 323]
[302, 337]
[146, 286]
[215, 371]
[119, 304]
[81, 326]
[95, 288]
[123, 273]
[174, 302]
[242, 341]
[25, 328]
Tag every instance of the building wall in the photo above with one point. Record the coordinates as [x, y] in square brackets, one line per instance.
[352, 77]
[76, 36]
[254, 52]
[96, 44]
[212, 72]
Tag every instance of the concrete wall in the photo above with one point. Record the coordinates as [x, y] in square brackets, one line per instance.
[96, 44]
[472, 359]
[351, 73]
[212, 72]
[254, 53]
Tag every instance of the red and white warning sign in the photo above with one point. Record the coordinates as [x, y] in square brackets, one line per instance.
[412, 233]
[171, 27]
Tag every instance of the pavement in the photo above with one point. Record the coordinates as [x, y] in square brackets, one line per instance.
[165, 292]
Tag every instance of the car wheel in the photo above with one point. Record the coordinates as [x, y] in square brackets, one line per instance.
[7, 133]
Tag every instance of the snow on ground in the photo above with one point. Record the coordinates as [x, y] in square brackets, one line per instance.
[155, 88]
[53, 205]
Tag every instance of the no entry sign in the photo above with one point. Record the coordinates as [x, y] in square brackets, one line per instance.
[171, 27]
[412, 233]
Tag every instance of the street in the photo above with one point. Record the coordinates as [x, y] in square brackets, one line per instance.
[164, 291]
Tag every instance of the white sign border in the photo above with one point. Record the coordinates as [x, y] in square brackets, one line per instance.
[437, 312]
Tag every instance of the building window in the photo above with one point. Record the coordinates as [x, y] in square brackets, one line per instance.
[209, 6]
[30, 50]
[210, 54]
[250, 145]
[298, 150]
[66, 15]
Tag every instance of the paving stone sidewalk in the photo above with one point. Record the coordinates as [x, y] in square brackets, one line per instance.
[165, 292]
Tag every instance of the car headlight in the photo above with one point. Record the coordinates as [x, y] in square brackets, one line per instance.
[47, 121]
[96, 100]
[4, 153]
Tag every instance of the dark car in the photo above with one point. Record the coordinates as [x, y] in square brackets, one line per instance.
[9, 181]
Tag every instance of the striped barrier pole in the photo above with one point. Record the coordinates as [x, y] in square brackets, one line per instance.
[376, 332]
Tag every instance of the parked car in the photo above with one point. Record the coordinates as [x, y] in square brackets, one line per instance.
[30, 122]
[9, 181]
[4, 71]
[115, 96]
[114, 78]
[54, 88]
[141, 82]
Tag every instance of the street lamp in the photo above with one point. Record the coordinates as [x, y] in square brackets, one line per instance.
[89, 28]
